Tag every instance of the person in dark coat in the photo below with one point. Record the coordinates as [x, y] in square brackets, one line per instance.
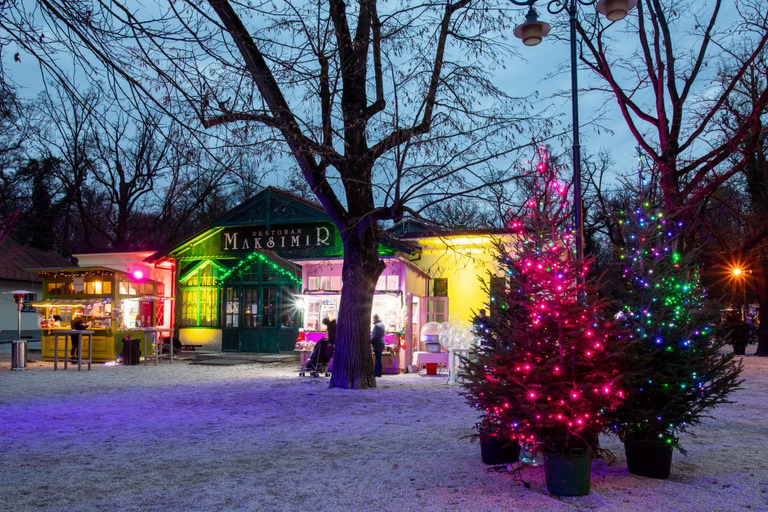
[330, 327]
[480, 322]
[78, 324]
[377, 340]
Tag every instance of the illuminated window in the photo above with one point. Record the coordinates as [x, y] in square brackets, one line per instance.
[209, 307]
[98, 287]
[199, 307]
[61, 288]
[199, 297]
[440, 287]
[269, 307]
[388, 283]
[232, 307]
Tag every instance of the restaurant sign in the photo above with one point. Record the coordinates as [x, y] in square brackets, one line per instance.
[285, 238]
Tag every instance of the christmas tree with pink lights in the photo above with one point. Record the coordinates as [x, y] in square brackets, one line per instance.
[545, 372]
[675, 369]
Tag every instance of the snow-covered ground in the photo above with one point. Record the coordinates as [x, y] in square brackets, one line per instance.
[258, 437]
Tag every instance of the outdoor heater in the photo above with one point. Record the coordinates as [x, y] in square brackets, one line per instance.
[19, 346]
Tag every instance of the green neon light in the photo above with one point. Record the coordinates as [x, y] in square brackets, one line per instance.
[193, 271]
[259, 257]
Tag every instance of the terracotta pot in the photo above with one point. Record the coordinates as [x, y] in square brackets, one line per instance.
[650, 459]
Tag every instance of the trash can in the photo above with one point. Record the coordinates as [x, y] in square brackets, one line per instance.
[131, 351]
[19, 355]
[136, 350]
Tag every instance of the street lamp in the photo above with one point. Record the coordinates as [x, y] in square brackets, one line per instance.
[741, 274]
[532, 32]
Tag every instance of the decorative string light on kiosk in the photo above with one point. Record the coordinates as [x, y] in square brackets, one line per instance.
[254, 257]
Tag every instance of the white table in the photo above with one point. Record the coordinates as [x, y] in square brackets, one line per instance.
[422, 358]
[152, 335]
[78, 335]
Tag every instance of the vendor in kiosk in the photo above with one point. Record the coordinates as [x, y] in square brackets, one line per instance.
[80, 325]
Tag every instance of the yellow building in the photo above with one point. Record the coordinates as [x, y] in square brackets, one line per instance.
[462, 267]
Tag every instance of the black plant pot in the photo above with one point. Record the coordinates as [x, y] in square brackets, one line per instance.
[496, 450]
[568, 474]
[650, 459]
[739, 349]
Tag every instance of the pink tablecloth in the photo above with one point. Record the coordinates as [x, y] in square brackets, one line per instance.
[390, 338]
[432, 357]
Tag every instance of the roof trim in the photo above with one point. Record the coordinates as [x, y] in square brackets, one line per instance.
[75, 270]
[67, 302]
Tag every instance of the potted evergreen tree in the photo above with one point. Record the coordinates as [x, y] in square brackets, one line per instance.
[544, 369]
[675, 371]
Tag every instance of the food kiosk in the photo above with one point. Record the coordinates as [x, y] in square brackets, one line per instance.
[322, 295]
[114, 303]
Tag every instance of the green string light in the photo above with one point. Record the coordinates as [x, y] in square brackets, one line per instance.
[259, 257]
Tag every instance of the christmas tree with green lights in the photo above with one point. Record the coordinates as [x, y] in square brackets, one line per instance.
[543, 374]
[675, 371]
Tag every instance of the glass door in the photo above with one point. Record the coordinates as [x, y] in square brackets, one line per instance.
[230, 341]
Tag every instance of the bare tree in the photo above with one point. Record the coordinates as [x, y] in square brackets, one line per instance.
[191, 195]
[671, 96]
[745, 240]
[131, 161]
[360, 94]
[68, 137]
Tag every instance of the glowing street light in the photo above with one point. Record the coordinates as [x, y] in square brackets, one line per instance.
[739, 273]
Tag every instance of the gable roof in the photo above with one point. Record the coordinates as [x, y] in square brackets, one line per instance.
[16, 258]
[271, 205]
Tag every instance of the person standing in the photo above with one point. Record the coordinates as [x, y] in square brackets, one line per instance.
[480, 322]
[377, 340]
[78, 324]
[330, 327]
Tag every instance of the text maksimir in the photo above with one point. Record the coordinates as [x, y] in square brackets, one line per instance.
[276, 239]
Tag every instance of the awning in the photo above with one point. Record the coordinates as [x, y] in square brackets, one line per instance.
[52, 303]
[66, 302]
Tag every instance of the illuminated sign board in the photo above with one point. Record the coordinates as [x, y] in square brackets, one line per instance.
[309, 238]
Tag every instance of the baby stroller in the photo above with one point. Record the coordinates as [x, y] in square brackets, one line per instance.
[318, 360]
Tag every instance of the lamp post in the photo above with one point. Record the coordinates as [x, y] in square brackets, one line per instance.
[741, 274]
[532, 32]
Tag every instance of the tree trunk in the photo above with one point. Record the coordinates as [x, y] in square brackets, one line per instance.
[352, 361]
[762, 299]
